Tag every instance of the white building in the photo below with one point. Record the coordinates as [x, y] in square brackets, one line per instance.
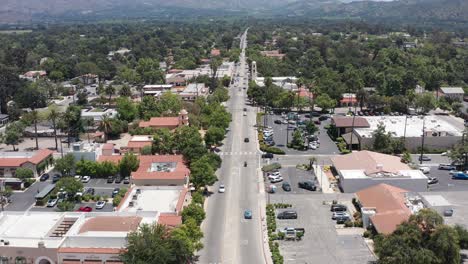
[97, 115]
[193, 91]
[286, 82]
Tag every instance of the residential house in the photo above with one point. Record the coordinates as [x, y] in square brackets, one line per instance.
[137, 143]
[33, 75]
[273, 54]
[157, 89]
[454, 93]
[97, 114]
[167, 122]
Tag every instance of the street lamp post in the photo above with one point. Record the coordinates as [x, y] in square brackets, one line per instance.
[422, 142]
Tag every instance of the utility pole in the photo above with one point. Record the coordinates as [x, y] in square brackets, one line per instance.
[422, 142]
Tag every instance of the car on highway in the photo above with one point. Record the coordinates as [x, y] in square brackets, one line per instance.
[308, 185]
[84, 209]
[110, 179]
[52, 202]
[432, 180]
[286, 186]
[290, 214]
[86, 179]
[100, 204]
[246, 140]
[447, 167]
[44, 177]
[248, 214]
[424, 158]
[221, 188]
[339, 214]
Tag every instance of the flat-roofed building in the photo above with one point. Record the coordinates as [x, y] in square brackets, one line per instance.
[137, 143]
[193, 91]
[363, 169]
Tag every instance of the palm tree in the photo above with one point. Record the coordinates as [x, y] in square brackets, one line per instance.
[362, 97]
[34, 118]
[53, 115]
[110, 90]
[105, 126]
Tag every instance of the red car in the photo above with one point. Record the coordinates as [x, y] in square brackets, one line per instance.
[317, 122]
[85, 209]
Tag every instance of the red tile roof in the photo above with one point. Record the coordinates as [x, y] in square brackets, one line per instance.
[215, 52]
[111, 224]
[37, 158]
[348, 100]
[160, 122]
[305, 93]
[139, 144]
[389, 203]
[170, 219]
[347, 121]
[180, 171]
[108, 146]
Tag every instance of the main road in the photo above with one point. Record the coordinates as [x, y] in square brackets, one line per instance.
[229, 238]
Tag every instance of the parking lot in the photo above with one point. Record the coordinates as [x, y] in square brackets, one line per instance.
[446, 183]
[321, 242]
[293, 176]
[22, 201]
[281, 134]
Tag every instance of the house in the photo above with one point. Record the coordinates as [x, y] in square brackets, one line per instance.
[273, 54]
[193, 91]
[157, 89]
[285, 82]
[167, 122]
[454, 93]
[4, 119]
[157, 170]
[121, 52]
[215, 53]
[137, 143]
[33, 75]
[303, 92]
[88, 79]
[363, 169]
[385, 206]
[348, 99]
[36, 161]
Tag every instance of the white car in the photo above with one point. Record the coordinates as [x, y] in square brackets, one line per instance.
[284, 121]
[52, 202]
[453, 172]
[245, 114]
[425, 170]
[221, 189]
[100, 204]
[313, 145]
[78, 177]
[339, 214]
[274, 174]
[275, 179]
[86, 179]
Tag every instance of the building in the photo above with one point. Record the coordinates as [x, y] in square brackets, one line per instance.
[121, 52]
[455, 93]
[215, 53]
[437, 203]
[4, 119]
[167, 122]
[97, 114]
[385, 206]
[36, 161]
[273, 54]
[348, 99]
[157, 170]
[440, 132]
[33, 75]
[137, 143]
[363, 169]
[193, 91]
[285, 82]
[346, 124]
[157, 89]
[180, 78]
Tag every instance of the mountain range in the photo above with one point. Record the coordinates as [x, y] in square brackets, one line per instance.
[15, 11]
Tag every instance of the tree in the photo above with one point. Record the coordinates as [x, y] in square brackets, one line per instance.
[126, 109]
[425, 102]
[9, 85]
[202, 173]
[54, 115]
[188, 142]
[31, 96]
[406, 157]
[86, 167]
[156, 244]
[34, 117]
[214, 65]
[190, 230]
[195, 212]
[24, 173]
[325, 102]
[444, 242]
[106, 169]
[310, 127]
[382, 140]
[146, 150]
[163, 142]
[214, 136]
[72, 122]
[106, 126]
[70, 185]
[297, 141]
[109, 91]
[169, 104]
[13, 134]
[125, 91]
[127, 164]
[362, 96]
[82, 98]
[65, 165]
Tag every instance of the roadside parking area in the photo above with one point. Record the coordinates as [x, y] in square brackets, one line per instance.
[293, 176]
[446, 183]
[282, 134]
[459, 205]
[321, 242]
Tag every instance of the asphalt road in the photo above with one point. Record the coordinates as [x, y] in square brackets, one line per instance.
[229, 238]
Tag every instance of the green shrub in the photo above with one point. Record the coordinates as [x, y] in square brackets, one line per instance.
[281, 235]
[299, 235]
[366, 234]
[271, 167]
[197, 197]
[116, 201]
[273, 150]
[358, 223]
[348, 223]
[66, 206]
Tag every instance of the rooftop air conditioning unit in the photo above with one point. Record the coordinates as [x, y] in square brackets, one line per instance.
[6, 242]
[130, 204]
[134, 197]
[138, 191]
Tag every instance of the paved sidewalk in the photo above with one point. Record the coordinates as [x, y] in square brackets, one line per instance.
[322, 179]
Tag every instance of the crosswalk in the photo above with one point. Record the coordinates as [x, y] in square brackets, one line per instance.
[245, 153]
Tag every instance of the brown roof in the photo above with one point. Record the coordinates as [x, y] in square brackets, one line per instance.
[113, 158]
[111, 224]
[370, 162]
[160, 122]
[347, 121]
[389, 203]
[170, 220]
[108, 146]
[37, 158]
[139, 144]
[180, 171]
[215, 52]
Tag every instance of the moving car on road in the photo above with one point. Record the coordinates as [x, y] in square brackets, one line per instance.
[425, 169]
[432, 180]
[248, 214]
[246, 140]
[221, 188]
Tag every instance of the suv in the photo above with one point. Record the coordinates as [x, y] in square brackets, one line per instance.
[308, 185]
[287, 215]
[447, 167]
[110, 179]
[342, 219]
[338, 208]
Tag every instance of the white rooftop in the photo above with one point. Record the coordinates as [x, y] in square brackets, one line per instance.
[414, 126]
[161, 199]
[142, 138]
[26, 155]
[436, 200]
[452, 90]
[402, 174]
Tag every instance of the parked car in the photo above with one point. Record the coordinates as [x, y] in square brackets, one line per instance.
[85, 209]
[286, 186]
[44, 177]
[425, 169]
[55, 178]
[342, 219]
[290, 214]
[270, 142]
[453, 172]
[448, 212]
[339, 215]
[248, 214]
[447, 167]
[221, 188]
[308, 185]
[100, 204]
[324, 117]
[90, 191]
[313, 146]
[126, 180]
[115, 192]
[267, 156]
[86, 179]
[78, 177]
[460, 176]
[277, 121]
[118, 180]
[110, 179]
[273, 174]
[424, 158]
[52, 202]
[317, 122]
[276, 179]
[338, 208]
[432, 180]
[246, 140]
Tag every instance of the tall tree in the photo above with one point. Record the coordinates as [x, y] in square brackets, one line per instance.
[110, 90]
[54, 115]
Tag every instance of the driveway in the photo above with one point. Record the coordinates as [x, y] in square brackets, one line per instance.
[22, 201]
